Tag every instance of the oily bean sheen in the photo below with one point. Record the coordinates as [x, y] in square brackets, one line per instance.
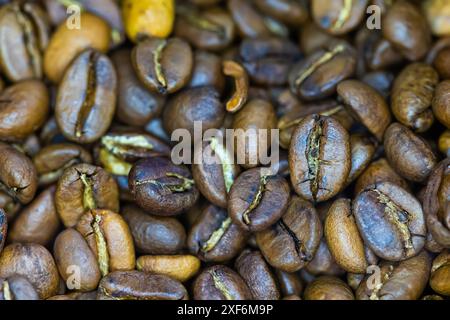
[257, 274]
[342, 235]
[367, 105]
[390, 220]
[17, 288]
[153, 234]
[83, 187]
[328, 288]
[220, 283]
[35, 263]
[441, 103]
[290, 12]
[291, 243]
[161, 187]
[412, 94]
[137, 285]
[258, 199]
[86, 99]
[23, 109]
[399, 281]
[319, 158]
[409, 154]
[18, 177]
[289, 283]
[163, 66]
[214, 237]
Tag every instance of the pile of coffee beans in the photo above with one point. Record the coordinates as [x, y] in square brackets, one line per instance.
[350, 102]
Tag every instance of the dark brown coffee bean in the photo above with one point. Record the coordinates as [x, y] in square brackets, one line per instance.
[258, 199]
[86, 100]
[319, 158]
[294, 13]
[317, 76]
[83, 187]
[380, 81]
[153, 234]
[17, 287]
[24, 107]
[18, 177]
[313, 38]
[194, 105]
[38, 222]
[72, 250]
[257, 275]
[441, 103]
[367, 105]
[390, 220]
[292, 242]
[35, 263]
[214, 237]
[3, 228]
[289, 283]
[397, 281]
[24, 36]
[440, 274]
[137, 285]
[162, 188]
[323, 262]
[52, 160]
[408, 153]
[328, 288]
[407, 29]
[363, 149]
[412, 94]
[220, 283]
[209, 29]
[207, 71]
[163, 66]
[338, 17]
[136, 106]
[214, 171]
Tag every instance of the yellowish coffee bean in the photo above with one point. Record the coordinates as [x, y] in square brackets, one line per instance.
[179, 267]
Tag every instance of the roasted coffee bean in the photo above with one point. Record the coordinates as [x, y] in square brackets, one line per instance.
[289, 283]
[148, 18]
[379, 53]
[87, 93]
[380, 81]
[24, 107]
[84, 187]
[379, 171]
[366, 105]
[258, 199]
[440, 274]
[328, 288]
[136, 106]
[408, 153]
[209, 29]
[436, 12]
[137, 285]
[38, 222]
[52, 160]
[35, 263]
[109, 237]
[251, 23]
[317, 76]
[241, 85]
[439, 57]
[444, 143]
[407, 29]
[201, 105]
[257, 274]
[323, 262]
[24, 36]
[363, 149]
[178, 267]
[343, 239]
[163, 66]
[268, 60]
[313, 38]
[67, 42]
[18, 177]
[17, 287]
[10, 206]
[92, 295]
[399, 281]
[207, 71]
[435, 203]
[161, 187]
[214, 237]
[214, 171]
[390, 220]
[3, 228]
[293, 13]
[220, 283]
[354, 280]
[153, 234]
[319, 158]
[338, 17]
[441, 103]
[292, 242]
[412, 94]
[72, 249]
